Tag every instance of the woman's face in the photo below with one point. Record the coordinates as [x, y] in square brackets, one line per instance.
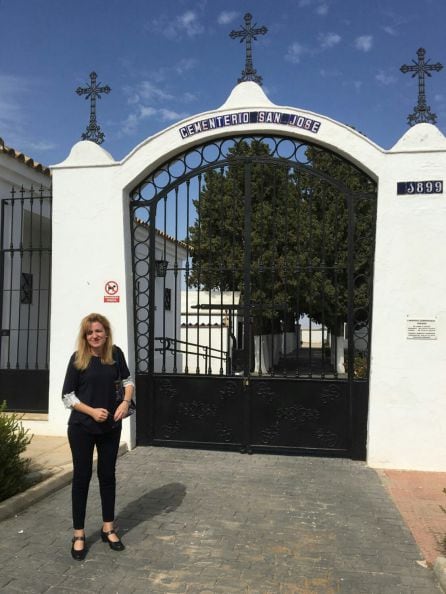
[96, 337]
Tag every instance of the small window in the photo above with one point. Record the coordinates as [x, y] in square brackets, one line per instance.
[167, 299]
[26, 288]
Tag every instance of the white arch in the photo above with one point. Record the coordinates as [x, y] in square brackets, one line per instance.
[248, 98]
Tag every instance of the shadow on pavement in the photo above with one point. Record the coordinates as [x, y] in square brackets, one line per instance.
[163, 500]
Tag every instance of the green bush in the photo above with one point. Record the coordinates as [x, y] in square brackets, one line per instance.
[13, 442]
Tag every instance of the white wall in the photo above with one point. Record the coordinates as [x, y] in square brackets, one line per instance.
[90, 248]
[407, 424]
[408, 378]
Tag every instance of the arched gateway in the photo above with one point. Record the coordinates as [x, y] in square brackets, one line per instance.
[241, 247]
[252, 263]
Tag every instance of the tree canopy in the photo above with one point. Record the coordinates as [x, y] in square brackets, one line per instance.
[285, 243]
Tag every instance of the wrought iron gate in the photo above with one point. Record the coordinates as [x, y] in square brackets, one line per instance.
[25, 277]
[252, 263]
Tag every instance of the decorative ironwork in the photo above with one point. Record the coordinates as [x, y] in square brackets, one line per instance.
[247, 34]
[197, 409]
[422, 111]
[229, 391]
[327, 437]
[166, 389]
[93, 92]
[161, 268]
[298, 414]
[330, 393]
[224, 432]
[264, 391]
[169, 430]
[270, 433]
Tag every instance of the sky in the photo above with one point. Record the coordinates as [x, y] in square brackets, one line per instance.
[166, 60]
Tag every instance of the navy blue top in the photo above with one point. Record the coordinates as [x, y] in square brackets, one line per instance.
[95, 386]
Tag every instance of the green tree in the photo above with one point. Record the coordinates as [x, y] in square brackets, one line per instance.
[298, 239]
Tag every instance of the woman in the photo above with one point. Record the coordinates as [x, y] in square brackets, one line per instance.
[93, 374]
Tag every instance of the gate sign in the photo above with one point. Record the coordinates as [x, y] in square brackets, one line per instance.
[111, 292]
[251, 117]
[419, 187]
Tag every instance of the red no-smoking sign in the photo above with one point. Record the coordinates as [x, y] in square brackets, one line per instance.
[111, 292]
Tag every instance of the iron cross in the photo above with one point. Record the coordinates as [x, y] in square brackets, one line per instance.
[248, 33]
[422, 111]
[93, 92]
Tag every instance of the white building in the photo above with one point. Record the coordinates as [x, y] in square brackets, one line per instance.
[404, 427]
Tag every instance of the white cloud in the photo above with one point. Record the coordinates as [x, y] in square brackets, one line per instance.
[13, 89]
[184, 24]
[15, 117]
[169, 115]
[226, 17]
[384, 78]
[333, 73]
[146, 90]
[189, 23]
[146, 111]
[295, 53]
[390, 30]
[42, 145]
[364, 43]
[320, 7]
[328, 40]
[189, 97]
[150, 102]
[185, 65]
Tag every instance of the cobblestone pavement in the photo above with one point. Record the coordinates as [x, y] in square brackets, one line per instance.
[209, 522]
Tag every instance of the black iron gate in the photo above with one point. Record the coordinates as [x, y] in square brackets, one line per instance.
[25, 279]
[252, 263]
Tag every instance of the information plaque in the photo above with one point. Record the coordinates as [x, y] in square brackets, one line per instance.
[422, 328]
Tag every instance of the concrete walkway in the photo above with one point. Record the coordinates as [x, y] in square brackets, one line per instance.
[211, 522]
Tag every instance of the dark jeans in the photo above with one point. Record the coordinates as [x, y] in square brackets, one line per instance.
[82, 446]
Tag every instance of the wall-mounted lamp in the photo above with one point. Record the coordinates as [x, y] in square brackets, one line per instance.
[161, 268]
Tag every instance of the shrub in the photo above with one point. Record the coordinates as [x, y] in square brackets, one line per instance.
[13, 441]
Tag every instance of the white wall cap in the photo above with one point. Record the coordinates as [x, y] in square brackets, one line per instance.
[421, 137]
[247, 94]
[86, 153]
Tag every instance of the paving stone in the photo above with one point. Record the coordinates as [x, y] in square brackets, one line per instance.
[208, 522]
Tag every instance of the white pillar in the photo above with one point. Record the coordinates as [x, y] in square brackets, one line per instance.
[89, 249]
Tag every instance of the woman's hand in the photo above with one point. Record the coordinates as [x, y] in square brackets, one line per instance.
[99, 414]
[121, 411]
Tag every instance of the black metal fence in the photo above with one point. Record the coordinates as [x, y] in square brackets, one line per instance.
[25, 292]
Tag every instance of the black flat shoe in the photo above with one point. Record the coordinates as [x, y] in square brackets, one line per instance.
[116, 546]
[78, 555]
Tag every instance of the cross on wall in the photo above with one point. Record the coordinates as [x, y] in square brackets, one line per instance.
[247, 34]
[422, 111]
[93, 92]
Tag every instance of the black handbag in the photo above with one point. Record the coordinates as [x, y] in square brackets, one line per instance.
[119, 389]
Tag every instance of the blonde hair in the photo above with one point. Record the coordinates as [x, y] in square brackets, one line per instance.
[83, 354]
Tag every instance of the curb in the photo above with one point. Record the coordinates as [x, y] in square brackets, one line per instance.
[440, 571]
[60, 478]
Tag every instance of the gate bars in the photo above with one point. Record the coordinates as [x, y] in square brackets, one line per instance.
[25, 277]
[224, 287]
